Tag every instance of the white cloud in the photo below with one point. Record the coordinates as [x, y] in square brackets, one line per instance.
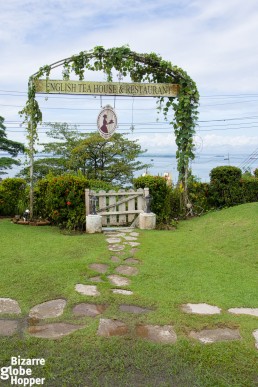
[215, 41]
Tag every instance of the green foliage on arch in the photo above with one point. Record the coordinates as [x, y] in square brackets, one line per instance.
[141, 68]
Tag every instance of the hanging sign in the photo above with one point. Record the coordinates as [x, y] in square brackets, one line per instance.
[107, 122]
[106, 88]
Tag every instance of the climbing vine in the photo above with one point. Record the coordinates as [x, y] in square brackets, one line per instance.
[141, 68]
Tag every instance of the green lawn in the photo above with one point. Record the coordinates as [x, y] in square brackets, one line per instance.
[212, 259]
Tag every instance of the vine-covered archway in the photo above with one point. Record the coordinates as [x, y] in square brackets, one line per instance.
[141, 68]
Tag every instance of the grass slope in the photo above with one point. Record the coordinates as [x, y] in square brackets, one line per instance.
[210, 259]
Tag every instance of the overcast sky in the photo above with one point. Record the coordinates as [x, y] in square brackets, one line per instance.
[214, 41]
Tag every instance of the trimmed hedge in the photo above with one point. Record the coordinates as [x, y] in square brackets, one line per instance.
[61, 199]
[249, 190]
[225, 188]
[160, 192]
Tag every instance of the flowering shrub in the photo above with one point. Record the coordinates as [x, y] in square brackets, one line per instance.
[61, 199]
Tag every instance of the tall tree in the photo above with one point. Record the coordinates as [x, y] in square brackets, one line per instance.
[10, 147]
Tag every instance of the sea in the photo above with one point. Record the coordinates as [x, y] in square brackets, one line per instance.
[201, 166]
[160, 164]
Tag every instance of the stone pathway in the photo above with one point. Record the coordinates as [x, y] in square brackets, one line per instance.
[90, 310]
[249, 311]
[156, 333]
[200, 309]
[9, 306]
[8, 327]
[123, 267]
[207, 336]
[53, 331]
[49, 309]
[87, 290]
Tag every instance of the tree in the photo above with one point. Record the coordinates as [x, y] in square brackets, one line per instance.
[67, 137]
[111, 160]
[8, 146]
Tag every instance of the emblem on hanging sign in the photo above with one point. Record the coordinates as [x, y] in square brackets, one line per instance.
[107, 122]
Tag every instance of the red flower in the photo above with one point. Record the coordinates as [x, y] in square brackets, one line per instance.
[68, 203]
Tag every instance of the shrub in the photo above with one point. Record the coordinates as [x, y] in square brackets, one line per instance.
[199, 195]
[250, 189]
[14, 196]
[225, 187]
[256, 173]
[61, 199]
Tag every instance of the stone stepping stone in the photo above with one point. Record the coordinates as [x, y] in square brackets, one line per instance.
[134, 234]
[122, 291]
[127, 270]
[156, 333]
[207, 336]
[90, 310]
[108, 327]
[249, 311]
[130, 238]
[96, 279]
[87, 290]
[118, 281]
[113, 240]
[112, 235]
[99, 267]
[48, 309]
[116, 247]
[9, 306]
[200, 309]
[255, 335]
[133, 309]
[53, 331]
[133, 244]
[132, 260]
[8, 327]
[134, 251]
[115, 259]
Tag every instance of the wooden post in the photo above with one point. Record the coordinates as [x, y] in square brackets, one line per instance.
[102, 204]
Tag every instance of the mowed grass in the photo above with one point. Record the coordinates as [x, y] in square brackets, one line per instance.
[212, 259]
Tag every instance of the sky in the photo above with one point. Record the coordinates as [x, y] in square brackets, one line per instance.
[214, 41]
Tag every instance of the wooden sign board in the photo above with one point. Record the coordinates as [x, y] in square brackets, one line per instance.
[49, 86]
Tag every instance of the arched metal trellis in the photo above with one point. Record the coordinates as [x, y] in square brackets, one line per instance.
[149, 74]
